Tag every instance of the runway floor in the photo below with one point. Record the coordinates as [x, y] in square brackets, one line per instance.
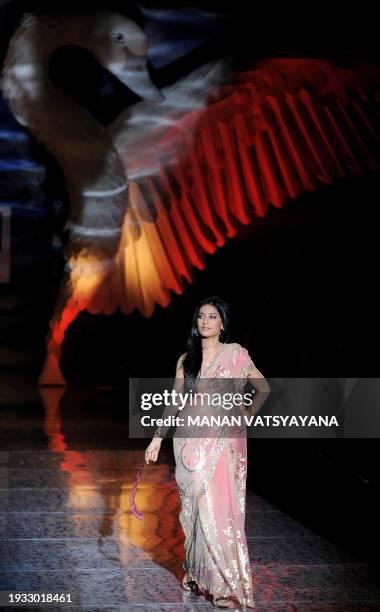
[66, 469]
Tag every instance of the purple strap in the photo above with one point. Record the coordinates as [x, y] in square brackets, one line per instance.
[134, 510]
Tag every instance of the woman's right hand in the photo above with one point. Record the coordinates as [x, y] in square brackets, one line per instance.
[152, 450]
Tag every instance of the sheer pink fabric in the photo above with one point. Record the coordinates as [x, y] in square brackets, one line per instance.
[211, 475]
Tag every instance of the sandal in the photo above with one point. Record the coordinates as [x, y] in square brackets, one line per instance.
[220, 602]
[186, 583]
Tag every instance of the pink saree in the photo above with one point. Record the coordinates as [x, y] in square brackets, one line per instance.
[211, 476]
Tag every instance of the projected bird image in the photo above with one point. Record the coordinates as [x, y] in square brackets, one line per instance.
[178, 172]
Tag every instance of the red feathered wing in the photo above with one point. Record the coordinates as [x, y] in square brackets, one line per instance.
[285, 127]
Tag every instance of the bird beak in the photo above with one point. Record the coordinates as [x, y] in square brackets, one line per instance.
[139, 81]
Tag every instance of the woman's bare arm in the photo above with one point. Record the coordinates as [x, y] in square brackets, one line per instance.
[262, 390]
[171, 409]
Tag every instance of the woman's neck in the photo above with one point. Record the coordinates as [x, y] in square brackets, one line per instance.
[210, 344]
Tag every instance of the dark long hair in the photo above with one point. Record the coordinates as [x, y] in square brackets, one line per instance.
[193, 360]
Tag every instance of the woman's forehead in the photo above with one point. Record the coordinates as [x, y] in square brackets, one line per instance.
[208, 308]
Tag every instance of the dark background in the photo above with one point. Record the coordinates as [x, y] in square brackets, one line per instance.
[301, 282]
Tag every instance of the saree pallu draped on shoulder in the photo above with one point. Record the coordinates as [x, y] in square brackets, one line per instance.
[211, 473]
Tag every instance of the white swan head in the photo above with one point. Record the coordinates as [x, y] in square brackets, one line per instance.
[116, 42]
[121, 46]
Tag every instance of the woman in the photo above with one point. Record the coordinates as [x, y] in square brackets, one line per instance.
[211, 472]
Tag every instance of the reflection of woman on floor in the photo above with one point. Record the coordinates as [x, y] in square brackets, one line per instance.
[211, 472]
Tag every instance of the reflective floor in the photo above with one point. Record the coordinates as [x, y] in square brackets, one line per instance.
[66, 469]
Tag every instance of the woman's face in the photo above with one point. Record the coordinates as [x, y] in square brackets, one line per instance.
[209, 321]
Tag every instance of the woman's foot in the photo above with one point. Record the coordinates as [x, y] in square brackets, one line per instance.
[220, 602]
